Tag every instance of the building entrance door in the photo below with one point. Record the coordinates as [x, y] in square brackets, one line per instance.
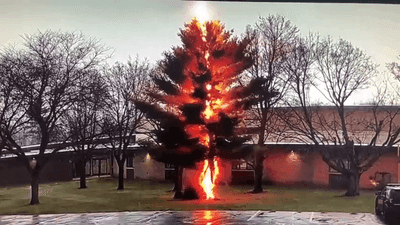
[95, 167]
[100, 166]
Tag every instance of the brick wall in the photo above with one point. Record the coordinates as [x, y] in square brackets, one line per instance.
[388, 164]
[286, 167]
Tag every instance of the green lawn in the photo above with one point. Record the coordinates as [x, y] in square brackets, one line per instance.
[101, 195]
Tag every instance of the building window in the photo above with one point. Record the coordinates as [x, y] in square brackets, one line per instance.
[169, 166]
[241, 165]
[170, 172]
[129, 162]
[331, 170]
[346, 166]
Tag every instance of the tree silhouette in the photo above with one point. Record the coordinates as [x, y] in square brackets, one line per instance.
[272, 38]
[342, 69]
[82, 120]
[43, 82]
[125, 83]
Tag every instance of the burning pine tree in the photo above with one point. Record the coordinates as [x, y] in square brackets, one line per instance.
[200, 102]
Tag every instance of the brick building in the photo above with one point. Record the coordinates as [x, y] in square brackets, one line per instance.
[284, 165]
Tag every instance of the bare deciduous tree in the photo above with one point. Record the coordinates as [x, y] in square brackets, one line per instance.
[83, 119]
[126, 83]
[13, 119]
[299, 67]
[272, 38]
[394, 68]
[44, 76]
[343, 69]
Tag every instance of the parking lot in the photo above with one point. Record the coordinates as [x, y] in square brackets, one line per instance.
[208, 217]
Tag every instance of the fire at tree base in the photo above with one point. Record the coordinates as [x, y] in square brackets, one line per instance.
[201, 182]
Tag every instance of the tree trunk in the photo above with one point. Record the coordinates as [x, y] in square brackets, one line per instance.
[258, 173]
[179, 183]
[259, 155]
[354, 183]
[82, 174]
[175, 178]
[34, 189]
[121, 176]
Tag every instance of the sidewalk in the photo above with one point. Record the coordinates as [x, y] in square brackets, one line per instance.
[92, 177]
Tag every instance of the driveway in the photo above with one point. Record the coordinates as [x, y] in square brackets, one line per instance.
[212, 217]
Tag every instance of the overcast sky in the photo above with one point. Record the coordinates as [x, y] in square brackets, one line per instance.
[149, 27]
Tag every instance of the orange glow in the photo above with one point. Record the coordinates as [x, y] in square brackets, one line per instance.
[148, 157]
[208, 217]
[208, 112]
[218, 102]
[207, 55]
[208, 51]
[198, 131]
[293, 157]
[207, 179]
[216, 171]
[373, 182]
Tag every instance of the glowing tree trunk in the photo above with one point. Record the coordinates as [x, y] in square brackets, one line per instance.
[202, 101]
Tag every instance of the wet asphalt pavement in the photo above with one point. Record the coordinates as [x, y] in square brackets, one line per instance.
[206, 217]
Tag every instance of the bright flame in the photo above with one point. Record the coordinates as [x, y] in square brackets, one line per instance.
[147, 158]
[207, 180]
[293, 157]
[209, 217]
[208, 112]
[212, 107]
[200, 11]
[216, 170]
[198, 131]
[218, 102]
[373, 182]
